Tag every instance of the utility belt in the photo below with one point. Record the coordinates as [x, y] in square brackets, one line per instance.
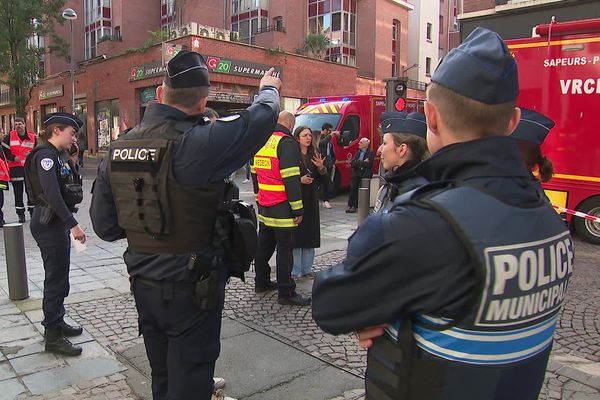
[205, 291]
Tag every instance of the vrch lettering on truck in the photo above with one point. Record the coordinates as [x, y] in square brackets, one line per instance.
[580, 86]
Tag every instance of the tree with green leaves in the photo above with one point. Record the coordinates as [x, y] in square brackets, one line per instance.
[316, 45]
[21, 23]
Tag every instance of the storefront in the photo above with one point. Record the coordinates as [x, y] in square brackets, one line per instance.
[112, 95]
[108, 126]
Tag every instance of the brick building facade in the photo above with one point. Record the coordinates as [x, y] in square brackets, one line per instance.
[112, 94]
[110, 35]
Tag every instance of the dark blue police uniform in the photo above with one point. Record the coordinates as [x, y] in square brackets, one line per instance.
[49, 177]
[181, 339]
[470, 271]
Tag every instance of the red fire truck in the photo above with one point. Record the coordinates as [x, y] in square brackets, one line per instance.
[559, 76]
[354, 117]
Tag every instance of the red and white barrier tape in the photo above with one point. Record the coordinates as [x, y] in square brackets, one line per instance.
[577, 213]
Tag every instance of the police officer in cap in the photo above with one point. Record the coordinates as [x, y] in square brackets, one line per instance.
[457, 289]
[403, 147]
[160, 187]
[530, 134]
[55, 187]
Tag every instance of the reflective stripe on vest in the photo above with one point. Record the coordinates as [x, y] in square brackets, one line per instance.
[525, 264]
[277, 222]
[271, 190]
[20, 148]
[477, 347]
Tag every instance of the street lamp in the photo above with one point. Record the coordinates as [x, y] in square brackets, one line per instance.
[415, 65]
[71, 15]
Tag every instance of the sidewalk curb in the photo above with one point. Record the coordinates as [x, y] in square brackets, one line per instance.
[576, 368]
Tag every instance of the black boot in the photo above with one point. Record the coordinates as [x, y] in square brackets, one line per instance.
[70, 330]
[21, 215]
[58, 344]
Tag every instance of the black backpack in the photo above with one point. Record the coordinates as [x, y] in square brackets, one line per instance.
[236, 228]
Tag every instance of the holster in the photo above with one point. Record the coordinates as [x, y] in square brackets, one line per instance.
[206, 291]
[46, 211]
[207, 263]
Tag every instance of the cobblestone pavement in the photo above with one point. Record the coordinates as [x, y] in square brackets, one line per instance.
[111, 387]
[577, 333]
[111, 319]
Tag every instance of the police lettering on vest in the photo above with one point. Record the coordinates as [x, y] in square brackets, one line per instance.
[134, 154]
[534, 270]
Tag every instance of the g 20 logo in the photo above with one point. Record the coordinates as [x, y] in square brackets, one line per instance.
[217, 65]
[137, 73]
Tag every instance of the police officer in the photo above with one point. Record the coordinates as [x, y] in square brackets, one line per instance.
[55, 189]
[530, 134]
[160, 187]
[16, 146]
[402, 148]
[456, 291]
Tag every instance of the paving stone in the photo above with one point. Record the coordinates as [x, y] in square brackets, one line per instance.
[12, 320]
[58, 378]
[6, 371]
[17, 334]
[36, 362]
[11, 388]
[9, 309]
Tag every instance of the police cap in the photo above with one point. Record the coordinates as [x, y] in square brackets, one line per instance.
[62, 118]
[533, 127]
[415, 124]
[187, 70]
[481, 68]
[391, 121]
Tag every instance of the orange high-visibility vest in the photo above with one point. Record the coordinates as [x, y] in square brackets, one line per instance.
[20, 148]
[271, 190]
[4, 174]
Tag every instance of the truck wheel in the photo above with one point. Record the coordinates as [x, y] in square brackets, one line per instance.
[586, 229]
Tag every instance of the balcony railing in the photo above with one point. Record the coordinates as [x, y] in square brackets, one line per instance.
[270, 28]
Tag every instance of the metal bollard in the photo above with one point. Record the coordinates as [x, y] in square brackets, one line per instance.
[363, 204]
[16, 268]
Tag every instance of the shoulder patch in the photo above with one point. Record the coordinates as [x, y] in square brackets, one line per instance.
[47, 163]
[229, 118]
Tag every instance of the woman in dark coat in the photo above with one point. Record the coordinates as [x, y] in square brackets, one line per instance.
[308, 234]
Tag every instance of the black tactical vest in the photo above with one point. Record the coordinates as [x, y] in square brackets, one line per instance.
[158, 214]
[523, 259]
[69, 181]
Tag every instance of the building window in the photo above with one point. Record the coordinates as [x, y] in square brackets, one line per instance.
[337, 20]
[428, 32]
[98, 24]
[36, 122]
[441, 24]
[454, 17]
[248, 17]
[395, 46]
[167, 15]
[278, 23]
[428, 66]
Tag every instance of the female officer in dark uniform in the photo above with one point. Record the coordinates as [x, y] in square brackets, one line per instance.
[55, 187]
[403, 147]
[530, 134]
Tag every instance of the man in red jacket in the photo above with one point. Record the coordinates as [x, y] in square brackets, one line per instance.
[16, 146]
